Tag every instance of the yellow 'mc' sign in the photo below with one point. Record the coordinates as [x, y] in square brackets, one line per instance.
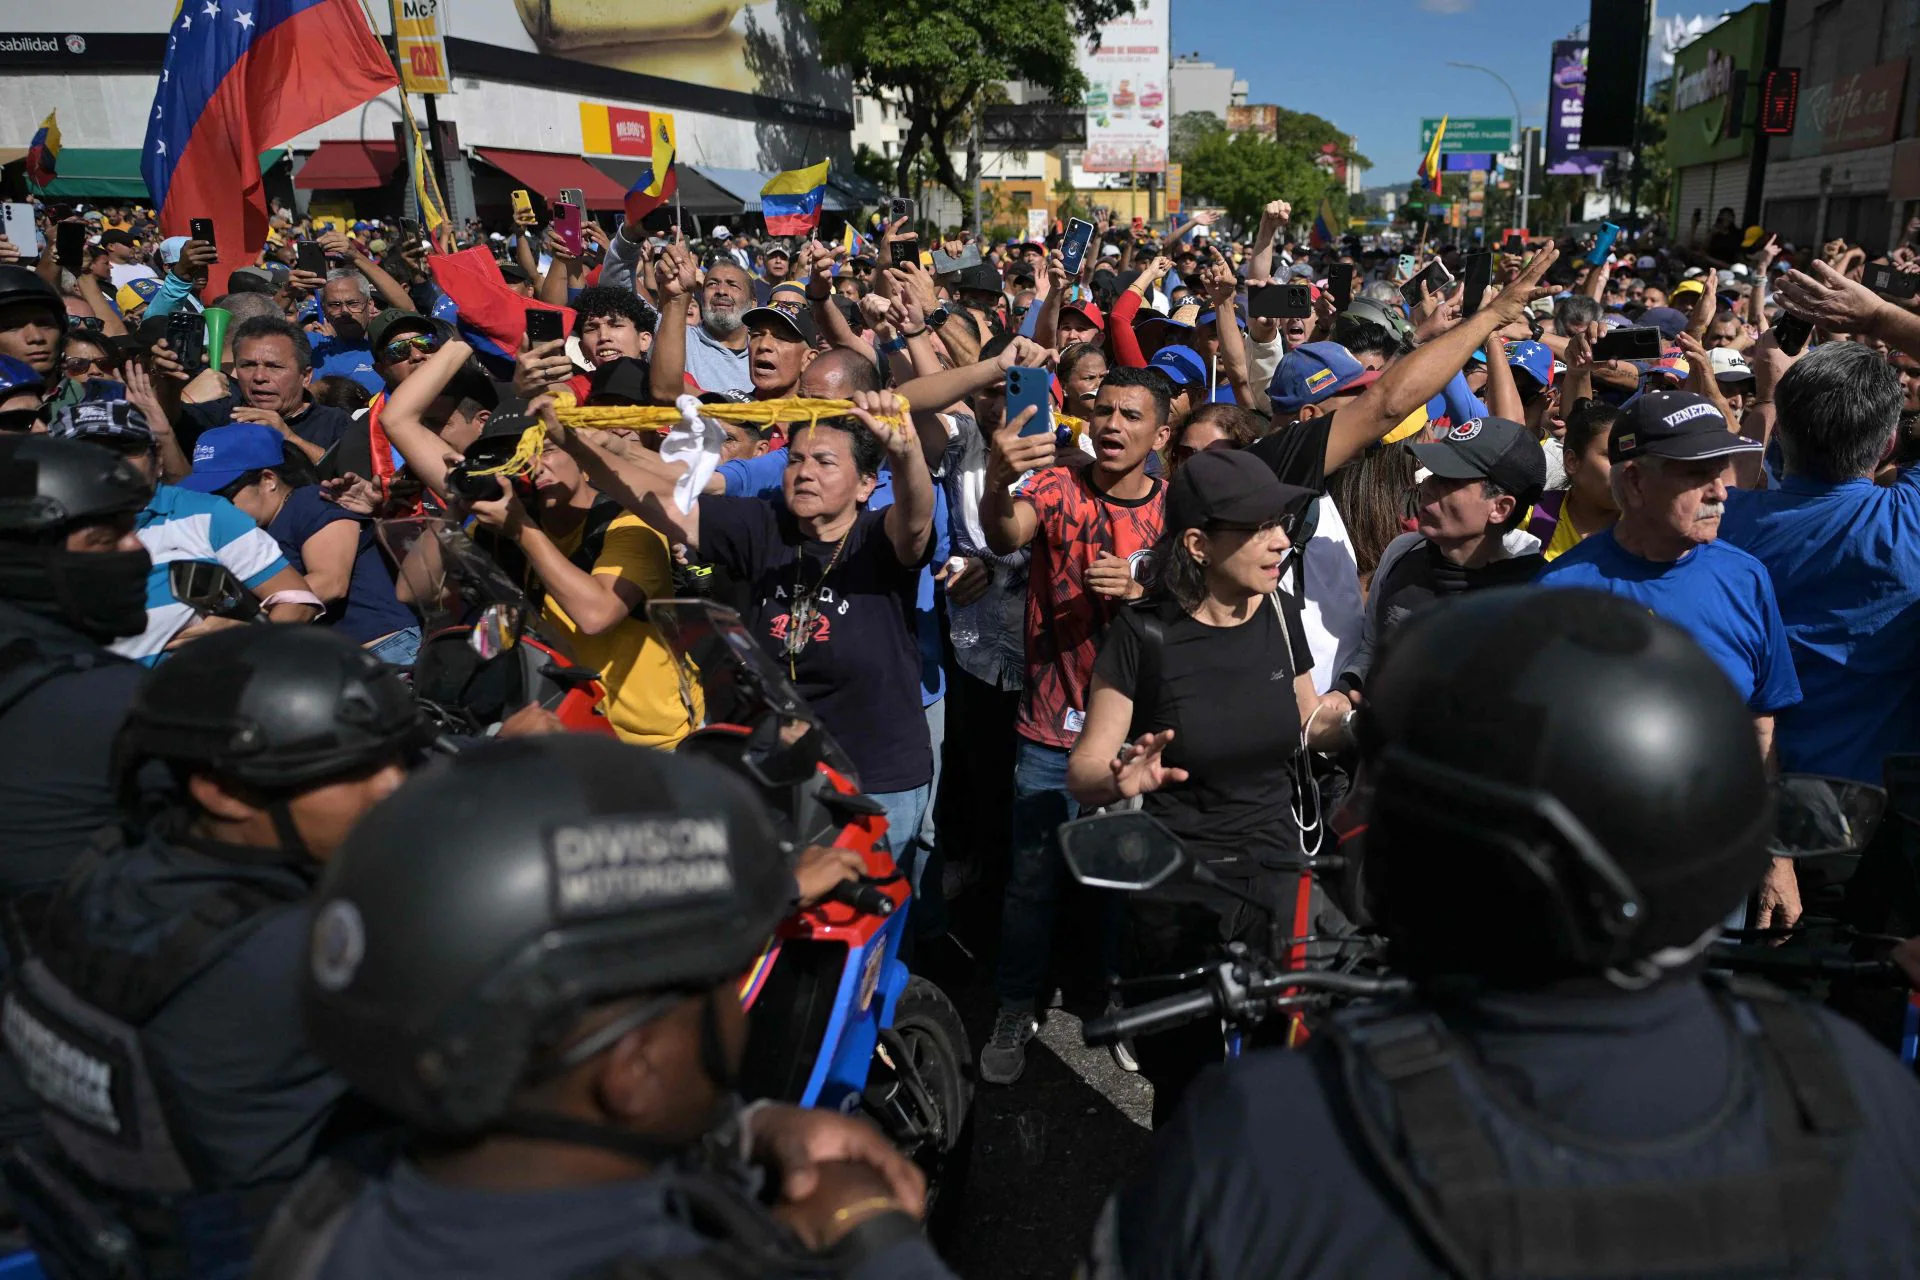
[417, 42]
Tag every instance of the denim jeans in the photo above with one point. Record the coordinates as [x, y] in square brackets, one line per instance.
[399, 649]
[1035, 868]
[904, 809]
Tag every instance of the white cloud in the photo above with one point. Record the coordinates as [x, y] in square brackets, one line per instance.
[1446, 6]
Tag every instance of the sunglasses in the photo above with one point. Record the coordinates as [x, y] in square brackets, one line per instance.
[93, 324]
[74, 366]
[20, 421]
[427, 343]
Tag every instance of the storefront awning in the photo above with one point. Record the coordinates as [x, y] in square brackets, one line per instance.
[350, 166]
[694, 193]
[111, 173]
[551, 174]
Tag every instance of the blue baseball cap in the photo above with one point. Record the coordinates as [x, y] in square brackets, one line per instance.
[1532, 359]
[1670, 322]
[1182, 364]
[18, 375]
[223, 454]
[1311, 373]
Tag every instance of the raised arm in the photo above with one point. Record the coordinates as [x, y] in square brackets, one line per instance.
[1009, 522]
[1411, 382]
[676, 276]
[1839, 305]
[1275, 216]
[402, 417]
[1502, 393]
[392, 293]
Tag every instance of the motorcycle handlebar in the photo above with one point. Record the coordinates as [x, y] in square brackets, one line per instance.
[1787, 964]
[1145, 1019]
[862, 897]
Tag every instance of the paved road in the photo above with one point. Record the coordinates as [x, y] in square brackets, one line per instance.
[1047, 1149]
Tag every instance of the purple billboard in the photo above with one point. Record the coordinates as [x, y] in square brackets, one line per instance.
[1566, 102]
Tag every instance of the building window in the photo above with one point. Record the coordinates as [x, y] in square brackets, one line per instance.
[1022, 200]
[859, 111]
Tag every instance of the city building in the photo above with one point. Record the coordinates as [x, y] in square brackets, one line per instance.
[528, 84]
[1195, 84]
[1851, 167]
[1710, 169]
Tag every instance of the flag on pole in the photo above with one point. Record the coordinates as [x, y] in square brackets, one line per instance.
[44, 151]
[241, 77]
[656, 183]
[791, 201]
[1430, 166]
[1321, 234]
[855, 244]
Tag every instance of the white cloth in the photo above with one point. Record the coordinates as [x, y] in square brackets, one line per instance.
[1332, 613]
[697, 442]
[125, 273]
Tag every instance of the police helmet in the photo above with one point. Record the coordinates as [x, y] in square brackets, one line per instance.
[47, 485]
[277, 708]
[474, 915]
[19, 284]
[1564, 784]
[1387, 317]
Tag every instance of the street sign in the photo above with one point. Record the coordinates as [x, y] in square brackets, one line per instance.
[1470, 133]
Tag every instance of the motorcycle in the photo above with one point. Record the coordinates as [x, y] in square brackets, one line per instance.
[1828, 826]
[481, 656]
[834, 1018]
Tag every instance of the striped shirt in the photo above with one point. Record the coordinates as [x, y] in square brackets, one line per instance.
[179, 524]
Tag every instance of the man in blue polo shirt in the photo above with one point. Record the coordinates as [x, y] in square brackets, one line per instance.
[1671, 454]
[1844, 557]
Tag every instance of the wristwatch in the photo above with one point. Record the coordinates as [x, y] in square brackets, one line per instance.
[938, 316]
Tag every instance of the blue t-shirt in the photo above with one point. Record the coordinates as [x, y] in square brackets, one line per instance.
[1845, 564]
[336, 358]
[371, 609]
[1718, 593]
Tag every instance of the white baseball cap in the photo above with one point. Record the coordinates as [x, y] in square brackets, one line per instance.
[721, 233]
[1110, 251]
[1729, 365]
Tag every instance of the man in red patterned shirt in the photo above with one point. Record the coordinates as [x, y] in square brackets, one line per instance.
[1090, 525]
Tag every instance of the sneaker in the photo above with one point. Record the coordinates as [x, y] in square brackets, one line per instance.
[1005, 1054]
[1122, 1050]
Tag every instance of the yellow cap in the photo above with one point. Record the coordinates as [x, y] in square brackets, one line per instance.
[1412, 424]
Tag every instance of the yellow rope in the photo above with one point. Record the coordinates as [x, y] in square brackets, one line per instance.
[795, 410]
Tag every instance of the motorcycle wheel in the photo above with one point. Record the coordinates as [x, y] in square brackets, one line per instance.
[936, 1042]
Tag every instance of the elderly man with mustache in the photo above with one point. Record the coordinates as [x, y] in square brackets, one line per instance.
[1672, 454]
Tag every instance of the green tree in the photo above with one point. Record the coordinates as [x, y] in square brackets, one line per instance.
[1241, 172]
[1188, 130]
[936, 58]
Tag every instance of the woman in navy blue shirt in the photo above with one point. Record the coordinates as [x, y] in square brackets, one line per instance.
[335, 548]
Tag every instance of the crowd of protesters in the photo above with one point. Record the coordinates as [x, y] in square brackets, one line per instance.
[1171, 595]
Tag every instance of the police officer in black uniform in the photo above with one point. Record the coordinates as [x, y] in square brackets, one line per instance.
[533, 954]
[1569, 802]
[155, 1009]
[73, 578]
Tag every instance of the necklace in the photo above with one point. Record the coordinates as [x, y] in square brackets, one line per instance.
[805, 612]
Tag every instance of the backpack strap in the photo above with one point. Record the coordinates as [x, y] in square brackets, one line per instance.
[300, 1237]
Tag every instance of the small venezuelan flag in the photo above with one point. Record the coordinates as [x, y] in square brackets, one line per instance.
[656, 183]
[791, 201]
[44, 152]
[1322, 233]
[1430, 165]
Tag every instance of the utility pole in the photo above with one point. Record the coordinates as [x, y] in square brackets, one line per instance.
[975, 167]
[1756, 86]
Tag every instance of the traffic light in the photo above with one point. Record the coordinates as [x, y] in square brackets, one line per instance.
[1779, 99]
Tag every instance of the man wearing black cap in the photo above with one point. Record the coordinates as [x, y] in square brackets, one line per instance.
[1671, 452]
[780, 345]
[981, 291]
[1480, 481]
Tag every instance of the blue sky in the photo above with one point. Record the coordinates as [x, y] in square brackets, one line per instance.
[1376, 67]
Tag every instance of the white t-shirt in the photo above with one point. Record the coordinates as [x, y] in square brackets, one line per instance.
[1332, 610]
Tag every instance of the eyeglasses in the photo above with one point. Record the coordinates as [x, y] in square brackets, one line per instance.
[426, 343]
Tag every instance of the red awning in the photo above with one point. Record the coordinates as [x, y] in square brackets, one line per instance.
[551, 174]
[350, 166]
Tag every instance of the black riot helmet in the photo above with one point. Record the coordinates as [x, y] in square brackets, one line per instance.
[278, 709]
[49, 488]
[1564, 785]
[474, 915]
[21, 284]
[49, 485]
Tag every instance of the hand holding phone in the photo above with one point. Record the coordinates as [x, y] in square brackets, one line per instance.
[1340, 285]
[1432, 280]
[1477, 272]
[1791, 332]
[1031, 388]
[70, 246]
[567, 225]
[1640, 342]
[902, 250]
[1603, 244]
[1073, 246]
[544, 325]
[308, 256]
[1280, 302]
[16, 227]
[201, 229]
[187, 337]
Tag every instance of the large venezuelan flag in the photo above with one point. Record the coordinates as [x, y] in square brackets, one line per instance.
[242, 77]
[791, 201]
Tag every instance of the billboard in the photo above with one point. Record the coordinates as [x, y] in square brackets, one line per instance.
[1469, 133]
[422, 54]
[1127, 108]
[1566, 102]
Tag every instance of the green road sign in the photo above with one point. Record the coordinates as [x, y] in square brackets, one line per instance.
[1470, 133]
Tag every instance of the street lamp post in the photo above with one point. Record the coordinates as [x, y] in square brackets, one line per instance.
[1519, 123]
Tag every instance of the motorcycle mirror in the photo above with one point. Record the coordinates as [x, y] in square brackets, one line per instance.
[1126, 849]
[497, 631]
[209, 589]
[1816, 816]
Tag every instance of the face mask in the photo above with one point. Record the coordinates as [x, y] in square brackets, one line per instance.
[101, 594]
